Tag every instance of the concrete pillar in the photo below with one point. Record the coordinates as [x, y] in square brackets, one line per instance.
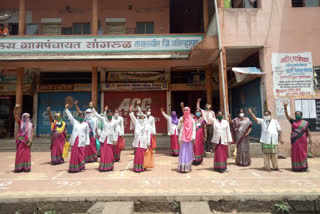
[220, 3]
[22, 17]
[225, 80]
[95, 18]
[94, 86]
[208, 73]
[102, 82]
[167, 77]
[205, 15]
[19, 93]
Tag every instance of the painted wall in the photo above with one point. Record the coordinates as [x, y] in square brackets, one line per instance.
[156, 11]
[278, 28]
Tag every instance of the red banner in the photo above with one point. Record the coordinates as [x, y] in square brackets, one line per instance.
[123, 100]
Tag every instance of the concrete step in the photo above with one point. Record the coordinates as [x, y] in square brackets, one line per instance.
[112, 207]
[190, 207]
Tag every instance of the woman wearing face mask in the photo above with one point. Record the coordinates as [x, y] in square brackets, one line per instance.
[79, 140]
[23, 141]
[187, 136]
[108, 140]
[173, 131]
[242, 127]
[151, 124]
[58, 137]
[91, 150]
[201, 136]
[221, 138]
[299, 142]
[270, 135]
[141, 140]
[118, 147]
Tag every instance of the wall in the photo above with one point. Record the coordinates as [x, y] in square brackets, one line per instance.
[142, 11]
[278, 28]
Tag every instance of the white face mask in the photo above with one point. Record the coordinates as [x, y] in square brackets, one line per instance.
[267, 118]
[116, 114]
[149, 113]
[241, 115]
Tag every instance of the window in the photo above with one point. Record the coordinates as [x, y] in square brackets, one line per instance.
[13, 28]
[144, 28]
[51, 29]
[81, 28]
[305, 3]
[116, 28]
[66, 31]
[317, 77]
[32, 29]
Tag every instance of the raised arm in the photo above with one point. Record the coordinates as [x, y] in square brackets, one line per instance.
[98, 116]
[69, 115]
[132, 117]
[77, 107]
[49, 114]
[198, 103]
[253, 116]
[285, 105]
[105, 111]
[182, 106]
[165, 115]
[15, 114]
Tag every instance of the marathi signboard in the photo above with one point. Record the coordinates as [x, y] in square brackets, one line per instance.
[123, 100]
[135, 86]
[292, 75]
[98, 44]
[65, 87]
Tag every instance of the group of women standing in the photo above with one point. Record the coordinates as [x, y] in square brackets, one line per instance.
[188, 137]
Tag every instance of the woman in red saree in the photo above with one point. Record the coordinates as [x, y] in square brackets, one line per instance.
[23, 142]
[299, 141]
[58, 137]
[242, 127]
[201, 136]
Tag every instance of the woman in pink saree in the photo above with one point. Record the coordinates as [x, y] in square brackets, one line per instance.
[23, 142]
[242, 127]
[299, 141]
[58, 137]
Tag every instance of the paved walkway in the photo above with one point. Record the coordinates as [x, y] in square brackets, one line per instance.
[47, 181]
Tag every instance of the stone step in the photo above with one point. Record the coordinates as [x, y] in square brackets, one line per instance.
[112, 207]
[191, 207]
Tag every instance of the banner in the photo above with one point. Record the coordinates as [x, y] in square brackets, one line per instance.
[136, 86]
[123, 100]
[135, 76]
[57, 102]
[98, 44]
[292, 75]
[65, 87]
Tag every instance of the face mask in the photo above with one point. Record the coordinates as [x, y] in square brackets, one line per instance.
[81, 119]
[88, 116]
[116, 114]
[298, 117]
[148, 113]
[220, 117]
[241, 115]
[267, 118]
[206, 108]
[198, 114]
[109, 117]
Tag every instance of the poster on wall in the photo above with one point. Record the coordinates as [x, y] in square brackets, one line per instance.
[280, 108]
[292, 74]
[310, 112]
[123, 100]
[57, 103]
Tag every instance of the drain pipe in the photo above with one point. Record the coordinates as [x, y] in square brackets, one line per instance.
[221, 61]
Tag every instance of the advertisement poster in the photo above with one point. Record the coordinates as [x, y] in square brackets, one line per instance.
[57, 102]
[292, 75]
[123, 100]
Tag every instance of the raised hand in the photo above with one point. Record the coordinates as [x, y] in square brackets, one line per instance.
[285, 103]
[90, 104]
[161, 110]
[106, 108]
[131, 108]
[139, 102]
[182, 104]
[48, 108]
[199, 100]
[250, 111]
[18, 106]
[66, 106]
[76, 102]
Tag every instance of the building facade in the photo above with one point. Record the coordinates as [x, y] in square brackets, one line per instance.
[162, 52]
